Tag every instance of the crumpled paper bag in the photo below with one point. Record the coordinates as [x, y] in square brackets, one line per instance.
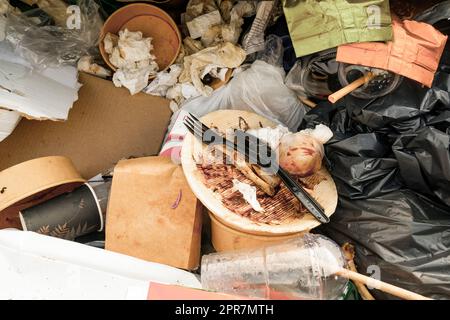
[153, 214]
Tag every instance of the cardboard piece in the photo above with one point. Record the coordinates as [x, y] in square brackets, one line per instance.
[153, 214]
[415, 51]
[105, 125]
[319, 25]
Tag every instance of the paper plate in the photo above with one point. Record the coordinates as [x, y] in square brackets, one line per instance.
[324, 192]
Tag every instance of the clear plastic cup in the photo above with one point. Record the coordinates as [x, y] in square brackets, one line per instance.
[301, 268]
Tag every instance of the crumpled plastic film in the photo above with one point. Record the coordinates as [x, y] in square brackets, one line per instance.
[55, 45]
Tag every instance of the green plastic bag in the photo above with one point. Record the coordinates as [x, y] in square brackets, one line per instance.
[350, 292]
[317, 25]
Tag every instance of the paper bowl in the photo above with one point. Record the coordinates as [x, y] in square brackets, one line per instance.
[225, 238]
[152, 22]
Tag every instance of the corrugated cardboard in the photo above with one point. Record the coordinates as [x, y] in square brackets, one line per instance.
[153, 214]
[105, 125]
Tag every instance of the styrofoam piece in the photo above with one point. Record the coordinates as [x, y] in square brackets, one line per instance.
[33, 266]
[8, 122]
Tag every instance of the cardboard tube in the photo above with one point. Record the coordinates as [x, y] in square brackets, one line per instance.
[338, 95]
[380, 285]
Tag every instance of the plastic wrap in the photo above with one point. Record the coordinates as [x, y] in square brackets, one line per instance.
[390, 159]
[45, 45]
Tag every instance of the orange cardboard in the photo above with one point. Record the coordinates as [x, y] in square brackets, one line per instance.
[153, 214]
[415, 51]
[105, 125]
[158, 291]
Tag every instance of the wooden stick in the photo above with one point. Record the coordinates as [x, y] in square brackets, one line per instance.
[338, 95]
[308, 102]
[380, 285]
[349, 252]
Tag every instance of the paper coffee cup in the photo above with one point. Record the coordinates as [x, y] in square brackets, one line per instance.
[67, 216]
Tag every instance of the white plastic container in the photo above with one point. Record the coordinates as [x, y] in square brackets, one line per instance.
[33, 266]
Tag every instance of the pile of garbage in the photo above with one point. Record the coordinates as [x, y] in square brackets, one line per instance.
[353, 96]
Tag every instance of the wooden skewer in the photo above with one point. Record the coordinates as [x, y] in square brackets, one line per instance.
[338, 95]
[308, 102]
[380, 285]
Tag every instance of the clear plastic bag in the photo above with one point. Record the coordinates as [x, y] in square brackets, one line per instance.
[259, 89]
[273, 51]
[54, 45]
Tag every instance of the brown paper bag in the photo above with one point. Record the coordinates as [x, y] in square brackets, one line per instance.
[153, 214]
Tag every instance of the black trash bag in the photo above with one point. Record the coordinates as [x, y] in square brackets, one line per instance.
[362, 167]
[436, 16]
[424, 161]
[390, 159]
[405, 235]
